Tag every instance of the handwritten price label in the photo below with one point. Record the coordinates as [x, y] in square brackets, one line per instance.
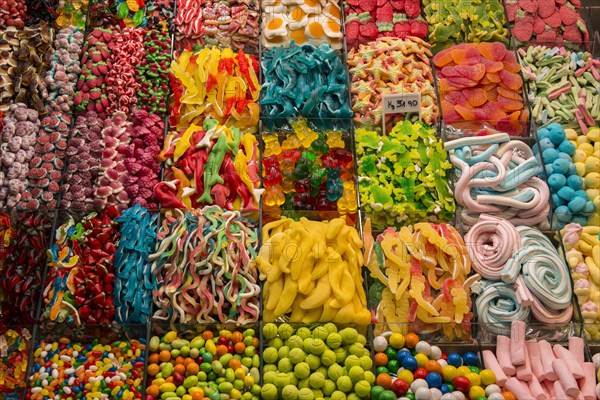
[401, 103]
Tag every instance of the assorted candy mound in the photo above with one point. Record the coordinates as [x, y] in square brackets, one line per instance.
[102, 13]
[457, 21]
[307, 170]
[80, 280]
[14, 13]
[547, 22]
[72, 13]
[579, 243]
[222, 287]
[41, 10]
[143, 13]
[326, 285]
[305, 81]
[210, 164]
[13, 359]
[370, 19]
[100, 368]
[217, 363]
[420, 275]
[403, 175]
[214, 83]
[524, 277]
[322, 361]
[222, 24]
[9, 46]
[563, 85]
[587, 164]
[301, 22]
[481, 82]
[387, 66]
[153, 73]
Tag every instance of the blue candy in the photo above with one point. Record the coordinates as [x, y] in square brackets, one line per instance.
[566, 193]
[455, 359]
[589, 208]
[558, 201]
[579, 219]
[563, 214]
[549, 169]
[402, 354]
[557, 136]
[565, 156]
[582, 193]
[434, 380]
[560, 166]
[549, 155]
[574, 182]
[556, 181]
[572, 169]
[410, 363]
[546, 144]
[470, 359]
[577, 204]
[543, 133]
[567, 147]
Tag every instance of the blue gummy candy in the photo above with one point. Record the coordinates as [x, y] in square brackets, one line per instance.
[577, 204]
[543, 133]
[557, 136]
[550, 155]
[572, 169]
[566, 193]
[549, 169]
[579, 219]
[574, 182]
[560, 166]
[589, 207]
[556, 181]
[558, 201]
[546, 144]
[582, 193]
[567, 147]
[565, 156]
[563, 214]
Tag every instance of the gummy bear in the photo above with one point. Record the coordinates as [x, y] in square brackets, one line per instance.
[335, 186]
[304, 165]
[320, 145]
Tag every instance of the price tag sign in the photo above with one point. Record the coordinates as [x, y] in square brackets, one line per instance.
[401, 103]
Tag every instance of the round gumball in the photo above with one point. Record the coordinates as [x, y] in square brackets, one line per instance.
[434, 380]
[462, 384]
[402, 354]
[455, 360]
[410, 363]
[400, 387]
[470, 358]
[420, 373]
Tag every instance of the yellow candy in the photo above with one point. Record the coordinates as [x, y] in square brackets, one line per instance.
[476, 392]
[487, 377]
[571, 134]
[592, 180]
[580, 167]
[396, 340]
[594, 134]
[421, 359]
[587, 148]
[463, 371]
[473, 378]
[579, 156]
[449, 372]
[592, 164]
[406, 376]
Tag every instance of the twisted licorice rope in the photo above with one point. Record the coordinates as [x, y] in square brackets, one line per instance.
[202, 262]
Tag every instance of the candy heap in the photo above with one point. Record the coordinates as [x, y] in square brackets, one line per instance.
[14, 13]
[568, 195]
[514, 192]
[402, 176]
[132, 12]
[582, 246]
[481, 82]
[320, 280]
[547, 22]
[533, 369]
[305, 81]
[101, 14]
[222, 284]
[523, 274]
[134, 284]
[454, 21]
[562, 85]
[10, 44]
[306, 170]
[41, 10]
[153, 73]
[81, 275]
[322, 362]
[587, 163]
[208, 365]
[67, 368]
[420, 276]
[223, 24]
[72, 13]
[387, 66]
[215, 83]
[368, 20]
[210, 164]
[95, 64]
[301, 22]
[13, 359]
[410, 368]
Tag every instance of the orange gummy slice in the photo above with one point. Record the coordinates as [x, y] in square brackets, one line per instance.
[493, 112]
[475, 96]
[511, 80]
[510, 124]
[492, 66]
[471, 114]
[472, 72]
[465, 56]
[492, 51]
[442, 58]
[509, 94]
[509, 104]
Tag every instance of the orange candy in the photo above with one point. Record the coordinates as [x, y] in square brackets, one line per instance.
[381, 359]
[197, 396]
[234, 364]
[239, 347]
[221, 349]
[153, 369]
[192, 369]
[164, 356]
[433, 366]
[508, 396]
[384, 380]
[153, 358]
[180, 368]
[153, 390]
[237, 337]
[411, 340]
[207, 335]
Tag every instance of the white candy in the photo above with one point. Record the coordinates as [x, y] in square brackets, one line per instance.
[489, 389]
[448, 396]
[435, 353]
[443, 363]
[65, 358]
[67, 390]
[458, 395]
[596, 360]
[598, 391]
[380, 343]
[48, 347]
[55, 374]
[436, 394]
[423, 347]
[496, 396]
[418, 384]
[423, 394]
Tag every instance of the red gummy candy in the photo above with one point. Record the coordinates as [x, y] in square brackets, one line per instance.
[546, 8]
[511, 11]
[369, 30]
[412, 8]
[554, 21]
[398, 4]
[385, 13]
[568, 15]
[456, 97]
[572, 34]
[402, 29]
[368, 5]
[530, 6]
[538, 25]
[492, 51]
[418, 28]
[523, 29]
[352, 30]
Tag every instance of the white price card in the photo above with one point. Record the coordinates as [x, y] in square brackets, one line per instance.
[401, 103]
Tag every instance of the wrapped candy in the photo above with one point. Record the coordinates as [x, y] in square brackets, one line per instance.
[218, 283]
[421, 276]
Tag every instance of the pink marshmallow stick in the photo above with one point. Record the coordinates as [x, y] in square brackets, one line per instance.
[517, 343]
[547, 356]
[524, 371]
[565, 355]
[536, 389]
[503, 355]
[565, 377]
[518, 388]
[576, 347]
[491, 363]
[588, 383]
[549, 386]
[559, 392]
[533, 351]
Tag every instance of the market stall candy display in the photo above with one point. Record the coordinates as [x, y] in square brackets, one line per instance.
[481, 82]
[531, 368]
[454, 22]
[210, 363]
[304, 169]
[312, 272]
[94, 369]
[224, 286]
[305, 81]
[407, 287]
[14, 13]
[409, 367]
[582, 246]
[562, 85]
[220, 84]
[547, 22]
[210, 164]
[14, 357]
[72, 13]
[524, 277]
[223, 24]
[587, 163]
[285, 22]
[367, 20]
[387, 66]
[403, 175]
[325, 361]
[79, 287]
[514, 193]
[153, 73]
